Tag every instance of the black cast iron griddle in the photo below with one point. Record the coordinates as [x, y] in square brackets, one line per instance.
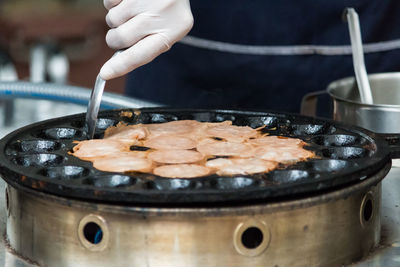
[36, 156]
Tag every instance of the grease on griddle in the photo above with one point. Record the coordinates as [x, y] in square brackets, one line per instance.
[127, 114]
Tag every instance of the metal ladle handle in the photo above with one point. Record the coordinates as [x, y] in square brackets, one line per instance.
[358, 56]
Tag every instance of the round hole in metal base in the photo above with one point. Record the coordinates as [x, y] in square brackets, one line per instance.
[251, 238]
[93, 232]
[367, 209]
[7, 203]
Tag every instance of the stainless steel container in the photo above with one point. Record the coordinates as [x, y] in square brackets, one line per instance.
[382, 117]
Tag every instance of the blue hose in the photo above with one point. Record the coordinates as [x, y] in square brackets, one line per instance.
[98, 236]
[67, 93]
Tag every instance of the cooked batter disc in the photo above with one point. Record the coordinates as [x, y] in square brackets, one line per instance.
[188, 149]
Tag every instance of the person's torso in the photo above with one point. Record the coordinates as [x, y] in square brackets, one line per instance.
[266, 54]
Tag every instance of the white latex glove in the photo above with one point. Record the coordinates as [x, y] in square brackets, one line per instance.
[146, 28]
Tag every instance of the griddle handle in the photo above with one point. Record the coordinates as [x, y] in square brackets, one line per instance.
[309, 103]
[393, 141]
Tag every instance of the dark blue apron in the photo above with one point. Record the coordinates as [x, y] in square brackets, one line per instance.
[266, 54]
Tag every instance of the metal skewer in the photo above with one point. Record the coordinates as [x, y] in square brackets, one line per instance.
[94, 104]
[358, 56]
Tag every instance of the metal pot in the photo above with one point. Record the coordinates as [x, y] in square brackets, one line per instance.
[380, 117]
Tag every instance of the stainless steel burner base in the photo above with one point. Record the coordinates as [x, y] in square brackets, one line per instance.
[328, 230]
[387, 253]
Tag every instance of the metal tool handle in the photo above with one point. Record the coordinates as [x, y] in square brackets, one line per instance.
[309, 103]
[94, 104]
[358, 56]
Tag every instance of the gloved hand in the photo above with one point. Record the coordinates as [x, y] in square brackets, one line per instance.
[146, 28]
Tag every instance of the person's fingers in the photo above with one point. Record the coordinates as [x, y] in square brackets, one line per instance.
[108, 4]
[121, 13]
[130, 32]
[141, 53]
[147, 27]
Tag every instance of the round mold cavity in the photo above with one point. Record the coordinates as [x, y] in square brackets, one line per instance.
[156, 118]
[227, 183]
[65, 172]
[330, 165]
[103, 123]
[200, 116]
[111, 181]
[338, 140]
[288, 176]
[311, 129]
[171, 184]
[224, 117]
[348, 152]
[150, 185]
[160, 118]
[41, 160]
[60, 133]
[284, 122]
[35, 146]
[256, 122]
